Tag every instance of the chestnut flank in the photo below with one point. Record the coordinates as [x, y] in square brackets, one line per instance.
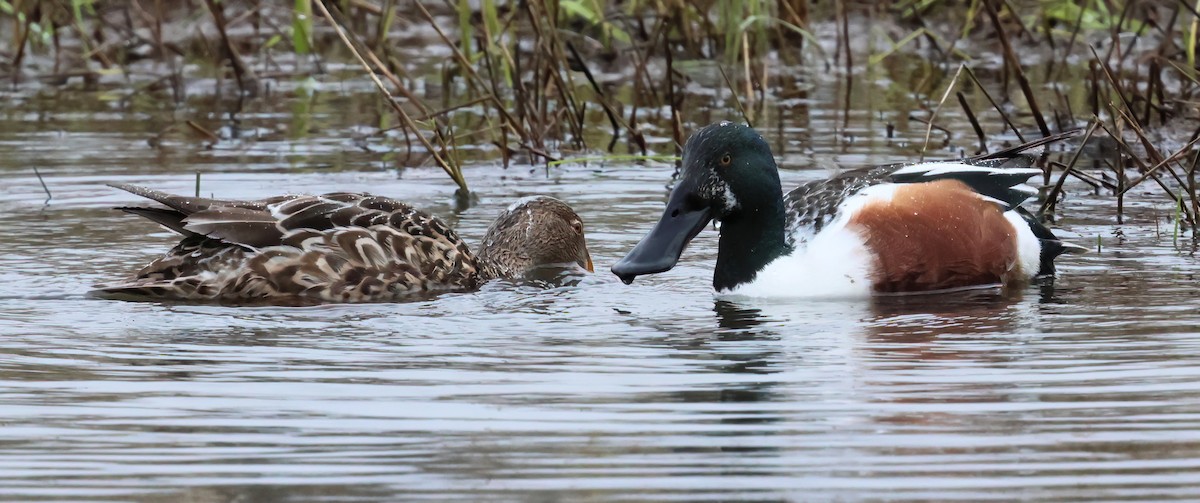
[935, 236]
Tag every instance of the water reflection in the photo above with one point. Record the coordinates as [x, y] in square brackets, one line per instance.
[735, 317]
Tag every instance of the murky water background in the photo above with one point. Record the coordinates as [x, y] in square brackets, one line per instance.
[1087, 389]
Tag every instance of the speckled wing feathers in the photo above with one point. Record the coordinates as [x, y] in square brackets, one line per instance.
[813, 205]
[244, 226]
[340, 247]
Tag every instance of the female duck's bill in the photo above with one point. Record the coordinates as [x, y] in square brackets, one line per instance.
[887, 229]
[339, 247]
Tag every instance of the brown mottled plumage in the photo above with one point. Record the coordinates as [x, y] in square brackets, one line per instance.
[339, 247]
[543, 220]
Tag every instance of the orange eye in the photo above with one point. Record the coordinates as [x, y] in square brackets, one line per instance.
[726, 159]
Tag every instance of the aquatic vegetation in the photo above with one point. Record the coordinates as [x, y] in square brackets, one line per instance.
[547, 80]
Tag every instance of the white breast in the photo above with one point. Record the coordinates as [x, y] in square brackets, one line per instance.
[835, 263]
[1029, 248]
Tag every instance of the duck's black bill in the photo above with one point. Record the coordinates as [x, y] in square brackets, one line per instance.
[660, 249]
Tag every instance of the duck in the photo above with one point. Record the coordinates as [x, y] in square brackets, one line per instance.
[339, 247]
[900, 228]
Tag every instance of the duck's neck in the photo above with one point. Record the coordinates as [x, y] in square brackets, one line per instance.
[497, 259]
[750, 239]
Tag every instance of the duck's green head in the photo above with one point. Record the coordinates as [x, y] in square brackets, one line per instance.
[534, 232]
[728, 171]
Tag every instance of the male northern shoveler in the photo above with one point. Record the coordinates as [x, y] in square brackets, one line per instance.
[340, 247]
[889, 229]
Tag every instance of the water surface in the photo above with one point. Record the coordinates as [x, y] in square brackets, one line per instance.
[1087, 387]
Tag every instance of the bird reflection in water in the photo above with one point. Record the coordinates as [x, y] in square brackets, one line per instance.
[737, 317]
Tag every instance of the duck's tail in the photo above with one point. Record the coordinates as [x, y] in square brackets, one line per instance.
[170, 217]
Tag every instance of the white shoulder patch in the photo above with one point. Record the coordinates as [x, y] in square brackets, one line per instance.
[882, 193]
[1029, 248]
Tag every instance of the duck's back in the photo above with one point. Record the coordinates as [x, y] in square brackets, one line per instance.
[338, 247]
[814, 205]
[912, 228]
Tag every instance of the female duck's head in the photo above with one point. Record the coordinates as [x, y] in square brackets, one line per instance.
[728, 175]
[532, 233]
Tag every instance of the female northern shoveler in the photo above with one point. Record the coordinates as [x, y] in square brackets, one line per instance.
[897, 228]
[340, 247]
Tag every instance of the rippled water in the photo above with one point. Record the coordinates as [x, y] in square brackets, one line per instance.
[1087, 388]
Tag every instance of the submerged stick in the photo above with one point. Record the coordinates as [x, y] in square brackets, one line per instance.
[1171, 158]
[49, 196]
[1052, 196]
[1191, 178]
[1134, 156]
[996, 106]
[1178, 222]
[1156, 156]
[962, 101]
